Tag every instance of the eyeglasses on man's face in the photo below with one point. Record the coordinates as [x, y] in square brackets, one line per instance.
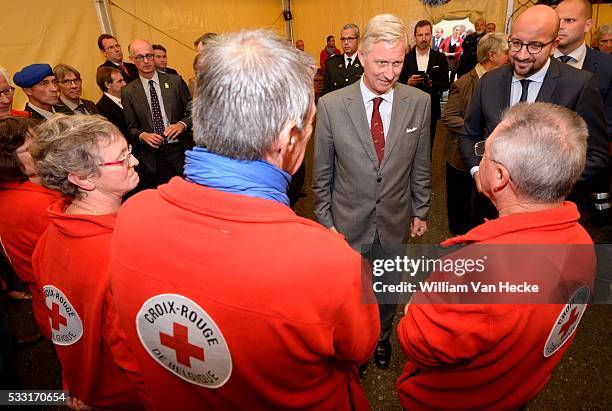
[8, 92]
[534, 47]
[123, 161]
[75, 81]
[142, 57]
[348, 38]
[113, 47]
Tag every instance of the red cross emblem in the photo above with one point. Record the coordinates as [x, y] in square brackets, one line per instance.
[571, 320]
[56, 318]
[180, 344]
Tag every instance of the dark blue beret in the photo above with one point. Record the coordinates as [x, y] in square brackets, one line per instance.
[32, 74]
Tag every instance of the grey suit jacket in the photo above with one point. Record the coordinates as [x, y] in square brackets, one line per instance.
[352, 193]
[138, 117]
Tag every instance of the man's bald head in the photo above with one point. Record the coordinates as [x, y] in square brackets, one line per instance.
[575, 22]
[535, 29]
[141, 54]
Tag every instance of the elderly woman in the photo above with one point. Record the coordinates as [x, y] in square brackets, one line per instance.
[6, 97]
[86, 158]
[491, 53]
[23, 202]
[452, 46]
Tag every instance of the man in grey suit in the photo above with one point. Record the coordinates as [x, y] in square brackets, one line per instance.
[157, 109]
[372, 174]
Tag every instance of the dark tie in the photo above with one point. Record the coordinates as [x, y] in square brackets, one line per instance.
[565, 59]
[525, 86]
[158, 120]
[80, 109]
[377, 130]
[348, 62]
[124, 69]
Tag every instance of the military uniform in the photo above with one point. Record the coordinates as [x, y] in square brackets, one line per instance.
[337, 75]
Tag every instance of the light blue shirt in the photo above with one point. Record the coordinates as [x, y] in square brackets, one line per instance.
[147, 89]
[534, 87]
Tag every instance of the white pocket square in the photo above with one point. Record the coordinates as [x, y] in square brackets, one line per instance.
[410, 130]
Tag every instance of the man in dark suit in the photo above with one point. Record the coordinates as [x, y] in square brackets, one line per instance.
[157, 109]
[575, 21]
[372, 169]
[468, 58]
[40, 86]
[345, 69]
[437, 39]
[161, 59]
[111, 50]
[534, 76]
[111, 82]
[70, 90]
[423, 60]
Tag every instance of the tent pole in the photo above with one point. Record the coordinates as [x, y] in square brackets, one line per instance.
[104, 16]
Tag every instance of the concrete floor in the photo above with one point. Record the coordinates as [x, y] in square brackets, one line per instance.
[581, 382]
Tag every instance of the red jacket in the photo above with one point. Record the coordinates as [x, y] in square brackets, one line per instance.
[482, 356]
[234, 302]
[23, 219]
[324, 55]
[458, 48]
[71, 265]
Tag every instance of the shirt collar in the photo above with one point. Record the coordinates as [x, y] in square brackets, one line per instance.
[480, 70]
[145, 81]
[353, 57]
[70, 104]
[368, 95]
[42, 112]
[537, 77]
[116, 100]
[577, 54]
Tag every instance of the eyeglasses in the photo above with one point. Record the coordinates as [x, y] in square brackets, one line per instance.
[532, 48]
[75, 82]
[479, 150]
[8, 92]
[113, 47]
[142, 58]
[47, 83]
[123, 161]
[348, 38]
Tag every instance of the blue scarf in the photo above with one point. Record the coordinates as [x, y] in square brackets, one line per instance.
[253, 178]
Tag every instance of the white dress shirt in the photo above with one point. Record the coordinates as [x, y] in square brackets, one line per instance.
[116, 100]
[422, 59]
[385, 106]
[156, 85]
[534, 87]
[577, 56]
[353, 57]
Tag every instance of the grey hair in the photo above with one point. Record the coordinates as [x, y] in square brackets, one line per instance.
[61, 70]
[605, 29]
[384, 27]
[243, 103]
[70, 144]
[495, 42]
[543, 146]
[349, 26]
[4, 72]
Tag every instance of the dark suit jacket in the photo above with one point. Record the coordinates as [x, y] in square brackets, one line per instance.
[563, 85]
[337, 75]
[600, 64]
[113, 113]
[138, 117]
[169, 71]
[58, 109]
[90, 106]
[435, 47]
[131, 68]
[437, 68]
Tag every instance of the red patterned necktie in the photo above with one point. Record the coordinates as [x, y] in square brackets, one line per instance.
[125, 70]
[377, 130]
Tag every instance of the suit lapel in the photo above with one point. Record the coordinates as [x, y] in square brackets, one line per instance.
[356, 111]
[412, 63]
[164, 85]
[504, 101]
[590, 63]
[551, 80]
[141, 96]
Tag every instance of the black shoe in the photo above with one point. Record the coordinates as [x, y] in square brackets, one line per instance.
[382, 355]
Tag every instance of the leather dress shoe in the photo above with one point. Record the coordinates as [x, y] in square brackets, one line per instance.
[382, 355]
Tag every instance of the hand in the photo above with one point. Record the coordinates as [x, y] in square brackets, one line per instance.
[152, 139]
[333, 230]
[477, 181]
[429, 83]
[417, 227]
[76, 404]
[173, 130]
[415, 80]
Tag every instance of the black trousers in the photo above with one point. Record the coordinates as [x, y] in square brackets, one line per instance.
[170, 162]
[459, 185]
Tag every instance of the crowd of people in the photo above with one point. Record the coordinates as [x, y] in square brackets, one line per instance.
[155, 237]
